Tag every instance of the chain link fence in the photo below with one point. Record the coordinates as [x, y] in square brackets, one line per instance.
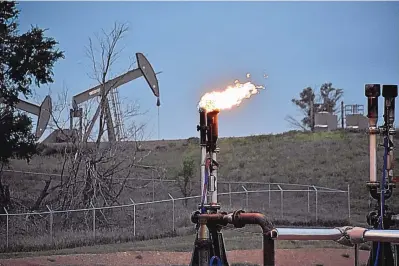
[163, 213]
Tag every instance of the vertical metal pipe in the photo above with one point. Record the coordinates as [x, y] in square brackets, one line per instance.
[357, 255]
[202, 127]
[203, 159]
[214, 195]
[372, 92]
[390, 92]
[268, 250]
[373, 158]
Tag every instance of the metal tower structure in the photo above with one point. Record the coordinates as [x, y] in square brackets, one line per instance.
[120, 133]
[144, 69]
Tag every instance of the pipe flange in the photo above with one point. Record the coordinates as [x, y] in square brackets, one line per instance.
[236, 219]
[194, 217]
[356, 235]
[373, 130]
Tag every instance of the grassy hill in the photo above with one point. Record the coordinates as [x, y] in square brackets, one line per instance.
[327, 159]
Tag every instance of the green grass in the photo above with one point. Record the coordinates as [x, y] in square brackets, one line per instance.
[329, 159]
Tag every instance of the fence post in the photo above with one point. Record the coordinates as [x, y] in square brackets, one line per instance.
[94, 220]
[246, 196]
[308, 200]
[349, 204]
[7, 228]
[153, 186]
[230, 195]
[269, 195]
[281, 201]
[315, 189]
[51, 224]
[173, 212]
[134, 217]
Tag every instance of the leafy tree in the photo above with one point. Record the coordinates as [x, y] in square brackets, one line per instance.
[185, 176]
[25, 59]
[326, 100]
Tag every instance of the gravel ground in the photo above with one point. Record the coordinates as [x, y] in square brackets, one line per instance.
[302, 257]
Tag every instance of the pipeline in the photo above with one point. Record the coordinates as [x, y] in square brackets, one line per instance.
[355, 235]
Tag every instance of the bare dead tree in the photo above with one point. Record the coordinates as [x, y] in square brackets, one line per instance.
[103, 53]
[93, 173]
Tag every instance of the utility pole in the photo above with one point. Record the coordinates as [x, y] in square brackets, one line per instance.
[342, 114]
[312, 113]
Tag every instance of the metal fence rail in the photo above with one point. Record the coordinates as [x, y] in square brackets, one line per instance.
[245, 196]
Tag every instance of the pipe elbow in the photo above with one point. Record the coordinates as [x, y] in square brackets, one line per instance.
[240, 219]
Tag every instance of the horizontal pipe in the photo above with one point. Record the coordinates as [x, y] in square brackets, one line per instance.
[382, 236]
[305, 234]
[356, 235]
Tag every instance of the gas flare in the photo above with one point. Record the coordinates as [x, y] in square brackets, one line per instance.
[231, 96]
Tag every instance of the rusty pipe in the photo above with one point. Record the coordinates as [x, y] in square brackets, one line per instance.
[240, 219]
[360, 235]
[372, 92]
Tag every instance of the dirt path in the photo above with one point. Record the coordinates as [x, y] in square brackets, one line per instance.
[302, 257]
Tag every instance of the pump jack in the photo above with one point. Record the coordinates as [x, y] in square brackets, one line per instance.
[42, 112]
[144, 69]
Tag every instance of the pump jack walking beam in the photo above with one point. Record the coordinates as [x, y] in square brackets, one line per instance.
[144, 69]
[43, 113]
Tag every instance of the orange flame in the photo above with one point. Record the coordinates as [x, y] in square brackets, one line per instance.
[231, 96]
